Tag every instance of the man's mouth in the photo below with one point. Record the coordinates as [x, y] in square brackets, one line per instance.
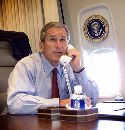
[58, 53]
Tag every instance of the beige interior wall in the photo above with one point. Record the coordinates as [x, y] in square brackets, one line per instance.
[50, 11]
[117, 8]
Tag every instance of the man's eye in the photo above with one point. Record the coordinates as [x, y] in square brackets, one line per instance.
[63, 39]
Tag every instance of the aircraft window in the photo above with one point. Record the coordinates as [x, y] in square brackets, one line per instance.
[102, 66]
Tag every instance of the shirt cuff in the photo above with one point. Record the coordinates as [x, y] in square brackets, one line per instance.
[79, 70]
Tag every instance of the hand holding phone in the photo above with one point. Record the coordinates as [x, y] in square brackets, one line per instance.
[73, 58]
[66, 59]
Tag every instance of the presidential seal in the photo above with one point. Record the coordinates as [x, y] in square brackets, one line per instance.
[96, 29]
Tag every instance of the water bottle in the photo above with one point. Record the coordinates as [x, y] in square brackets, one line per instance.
[77, 98]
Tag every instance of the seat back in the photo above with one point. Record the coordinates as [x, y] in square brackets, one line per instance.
[7, 63]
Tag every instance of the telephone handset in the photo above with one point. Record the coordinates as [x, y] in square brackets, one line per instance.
[66, 60]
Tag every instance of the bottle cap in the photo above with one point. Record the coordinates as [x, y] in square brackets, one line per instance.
[78, 89]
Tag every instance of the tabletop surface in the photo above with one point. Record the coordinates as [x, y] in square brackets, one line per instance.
[34, 122]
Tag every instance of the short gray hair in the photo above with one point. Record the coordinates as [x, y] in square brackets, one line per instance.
[50, 25]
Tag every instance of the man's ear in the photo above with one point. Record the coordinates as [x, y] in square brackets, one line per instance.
[41, 46]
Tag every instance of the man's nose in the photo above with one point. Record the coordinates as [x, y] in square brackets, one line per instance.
[58, 43]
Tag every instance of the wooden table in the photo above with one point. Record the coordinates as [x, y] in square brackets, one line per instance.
[33, 122]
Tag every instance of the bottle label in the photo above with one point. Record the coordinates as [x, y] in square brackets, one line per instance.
[78, 102]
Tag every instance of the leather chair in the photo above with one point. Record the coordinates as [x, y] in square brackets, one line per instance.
[7, 63]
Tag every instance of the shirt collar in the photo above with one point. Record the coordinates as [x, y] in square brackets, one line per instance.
[48, 67]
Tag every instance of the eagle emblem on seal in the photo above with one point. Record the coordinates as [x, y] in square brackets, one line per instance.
[96, 29]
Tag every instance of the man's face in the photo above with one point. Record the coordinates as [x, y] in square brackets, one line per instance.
[55, 44]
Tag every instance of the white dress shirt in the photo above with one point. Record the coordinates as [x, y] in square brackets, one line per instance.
[30, 85]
